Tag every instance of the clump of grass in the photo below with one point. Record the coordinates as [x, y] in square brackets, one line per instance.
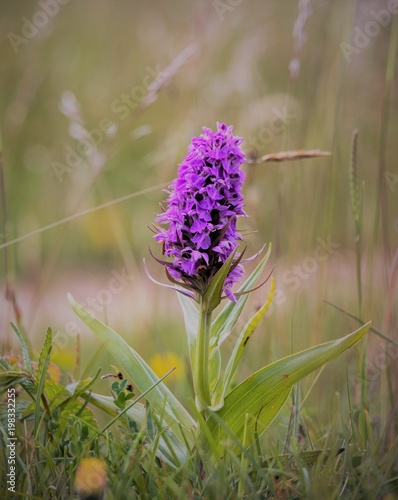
[62, 451]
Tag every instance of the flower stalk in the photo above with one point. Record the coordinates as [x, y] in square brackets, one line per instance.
[201, 365]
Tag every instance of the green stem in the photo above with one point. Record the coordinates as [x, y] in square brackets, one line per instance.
[364, 348]
[201, 375]
[359, 270]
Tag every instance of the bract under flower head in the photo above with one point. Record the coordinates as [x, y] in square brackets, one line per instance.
[204, 203]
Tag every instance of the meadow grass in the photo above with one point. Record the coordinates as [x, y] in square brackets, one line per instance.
[352, 456]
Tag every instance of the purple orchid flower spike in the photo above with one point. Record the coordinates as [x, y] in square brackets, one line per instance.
[203, 206]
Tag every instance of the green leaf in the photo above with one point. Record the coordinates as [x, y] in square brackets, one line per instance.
[191, 319]
[44, 361]
[227, 318]
[13, 373]
[214, 370]
[25, 350]
[23, 381]
[10, 379]
[106, 404]
[56, 394]
[241, 344]
[149, 423]
[76, 412]
[119, 404]
[74, 391]
[84, 385]
[212, 296]
[263, 394]
[135, 369]
[44, 357]
[5, 364]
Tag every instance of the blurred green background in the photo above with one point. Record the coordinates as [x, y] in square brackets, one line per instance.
[287, 75]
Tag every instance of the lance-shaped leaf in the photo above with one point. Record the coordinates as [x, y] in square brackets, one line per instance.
[76, 390]
[106, 404]
[240, 347]
[191, 319]
[44, 361]
[212, 296]
[142, 376]
[225, 321]
[44, 358]
[25, 349]
[24, 380]
[263, 394]
[215, 379]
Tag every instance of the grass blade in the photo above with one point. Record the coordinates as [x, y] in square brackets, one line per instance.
[25, 350]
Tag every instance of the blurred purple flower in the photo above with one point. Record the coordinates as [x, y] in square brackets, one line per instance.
[204, 203]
